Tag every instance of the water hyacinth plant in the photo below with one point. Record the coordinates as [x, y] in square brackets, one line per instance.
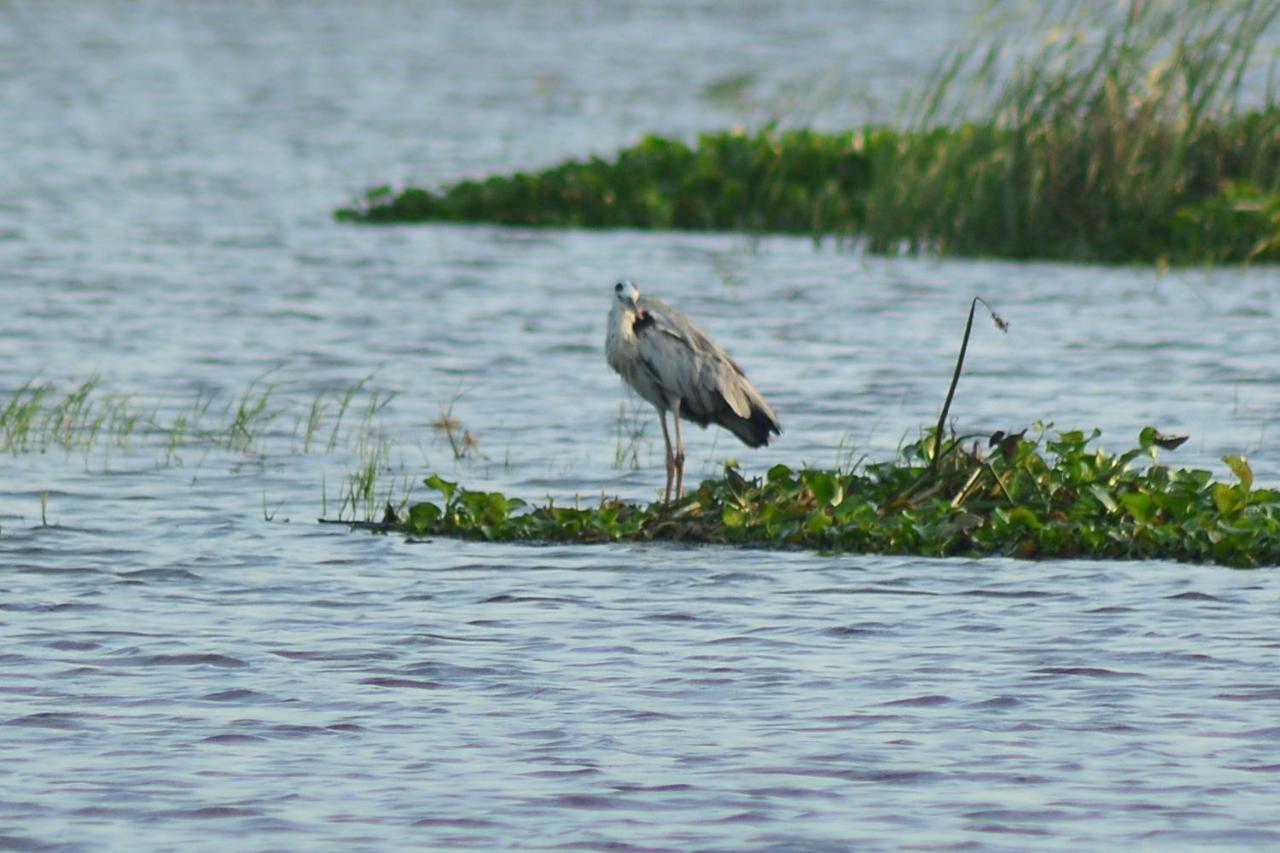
[1094, 131]
[1048, 494]
[781, 181]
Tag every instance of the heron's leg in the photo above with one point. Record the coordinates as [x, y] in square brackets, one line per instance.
[679, 456]
[669, 459]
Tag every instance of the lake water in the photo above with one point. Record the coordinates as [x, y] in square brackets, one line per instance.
[189, 661]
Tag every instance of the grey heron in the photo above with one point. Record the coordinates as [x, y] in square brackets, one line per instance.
[674, 365]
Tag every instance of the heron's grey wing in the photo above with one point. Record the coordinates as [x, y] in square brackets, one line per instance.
[693, 368]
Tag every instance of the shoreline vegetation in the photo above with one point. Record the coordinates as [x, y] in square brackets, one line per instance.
[1121, 136]
[945, 495]
[1038, 493]
[1047, 495]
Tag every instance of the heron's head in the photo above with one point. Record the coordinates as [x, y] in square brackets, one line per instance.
[627, 294]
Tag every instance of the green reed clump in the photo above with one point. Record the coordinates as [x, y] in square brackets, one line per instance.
[1098, 132]
[796, 181]
[38, 417]
[1052, 495]
[1116, 139]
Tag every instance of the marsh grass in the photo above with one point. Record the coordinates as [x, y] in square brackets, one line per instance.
[1104, 140]
[379, 486]
[250, 417]
[629, 436]
[344, 403]
[38, 417]
[262, 425]
[462, 442]
[1082, 130]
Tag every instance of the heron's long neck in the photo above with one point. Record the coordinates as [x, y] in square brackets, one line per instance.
[621, 345]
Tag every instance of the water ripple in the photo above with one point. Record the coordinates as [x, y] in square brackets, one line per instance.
[190, 663]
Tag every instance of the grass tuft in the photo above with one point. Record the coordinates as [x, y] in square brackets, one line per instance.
[1116, 137]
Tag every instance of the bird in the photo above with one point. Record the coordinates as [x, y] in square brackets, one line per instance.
[676, 366]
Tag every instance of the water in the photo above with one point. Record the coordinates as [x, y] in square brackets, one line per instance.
[189, 661]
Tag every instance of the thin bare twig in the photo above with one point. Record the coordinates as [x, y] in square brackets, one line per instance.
[1001, 324]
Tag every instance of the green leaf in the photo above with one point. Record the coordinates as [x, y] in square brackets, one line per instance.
[1105, 497]
[1141, 506]
[827, 489]
[779, 474]
[444, 487]
[855, 509]
[1241, 469]
[1024, 516]
[817, 521]
[1226, 498]
[496, 507]
[423, 517]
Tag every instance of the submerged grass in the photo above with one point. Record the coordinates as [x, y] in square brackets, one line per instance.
[1097, 131]
[1052, 495]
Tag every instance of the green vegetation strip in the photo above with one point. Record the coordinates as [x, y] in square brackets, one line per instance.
[1053, 496]
[1119, 139]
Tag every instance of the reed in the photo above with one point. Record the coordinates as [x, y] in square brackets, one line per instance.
[1110, 140]
[462, 442]
[629, 429]
[1093, 131]
[38, 417]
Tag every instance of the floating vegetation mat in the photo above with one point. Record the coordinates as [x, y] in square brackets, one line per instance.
[1048, 495]
[1095, 132]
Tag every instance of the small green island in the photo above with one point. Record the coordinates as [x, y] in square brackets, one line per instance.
[1131, 136]
[1039, 493]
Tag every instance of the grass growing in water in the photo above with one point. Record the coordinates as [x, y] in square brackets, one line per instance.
[1051, 495]
[38, 417]
[629, 428]
[1121, 136]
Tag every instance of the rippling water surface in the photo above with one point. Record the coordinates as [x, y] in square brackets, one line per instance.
[189, 661]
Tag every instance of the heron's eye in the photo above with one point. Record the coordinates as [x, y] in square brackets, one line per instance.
[618, 287]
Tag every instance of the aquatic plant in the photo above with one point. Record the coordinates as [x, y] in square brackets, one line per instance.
[38, 417]
[35, 419]
[1121, 133]
[1099, 142]
[796, 181]
[629, 433]
[1049, 494]
[462, 442]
